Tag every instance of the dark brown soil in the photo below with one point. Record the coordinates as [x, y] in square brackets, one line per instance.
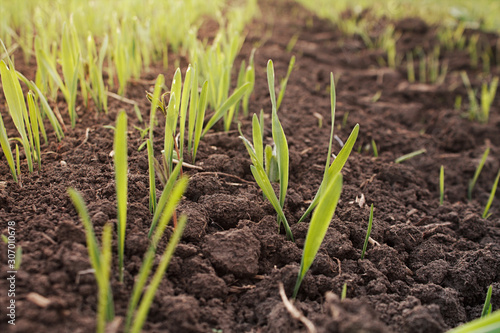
[429, 273]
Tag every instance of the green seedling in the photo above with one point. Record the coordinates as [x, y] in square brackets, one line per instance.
[142, 132]
[67, 87]
[492, 196]
[284, 82]
[430, 69]
[187, 87]
[279, 138]
[410, 155]
[261, 177]
[7, 151]
[152, 178]
[98, 260]
[487, 303]
[256, 153]
[474, 179]
[480, 111]
[193, 108]
[343, 295]
[374, 148]
[368, 232]
[487, 98]
[169, 185]
[17, 110]
[18, 161]
[472, 49]
[200, 115]
[488, 324]
[233, 110]
[34, 113]
[103, 278]
[95, 67]
[138, 308]
[224, 108]
[101, 260]
[318, 226]
[121, 170]
[452, 39]
[249, 77]
[441, 186]
[376, 96]
[44, 111]
[340, 160]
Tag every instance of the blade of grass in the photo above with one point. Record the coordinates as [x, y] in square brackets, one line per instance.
[58, 129]
[164, 197]
[154, 103]
[183, 113]
[410, 155]
[7, 151]
[487, 303]
[334, 168]
[257, 139]
[34, 128]
[193, 104]
[152, 178]
[264, 183]
[95, 256]
[103, 279]
[343, 155]
[284, 82]
[173, 196]
[474, 179]
[374, 148]
[234, 98]
[149, 295]
[17, 106]
[202, 106]
[492, 196]
[368, 232]
[318, 227]
[121, 170]
[279, 138]
[488, 324]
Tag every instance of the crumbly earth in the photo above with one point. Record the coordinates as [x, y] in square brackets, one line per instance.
[429, 273]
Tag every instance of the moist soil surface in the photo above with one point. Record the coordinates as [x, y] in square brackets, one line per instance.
[428, 273]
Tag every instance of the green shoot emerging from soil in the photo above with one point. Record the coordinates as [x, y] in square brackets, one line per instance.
[343, 295]
[473, 181]
[318, 226]
[256, 152]
[410, 155]
[492, 196]
[121, 170]
[480, 111]
[98, 260]
[487, 324]
[487, 303]
[368, 232]
[326, 199]
[374, 148]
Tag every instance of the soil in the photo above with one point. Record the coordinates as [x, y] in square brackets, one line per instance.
[429, 273]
